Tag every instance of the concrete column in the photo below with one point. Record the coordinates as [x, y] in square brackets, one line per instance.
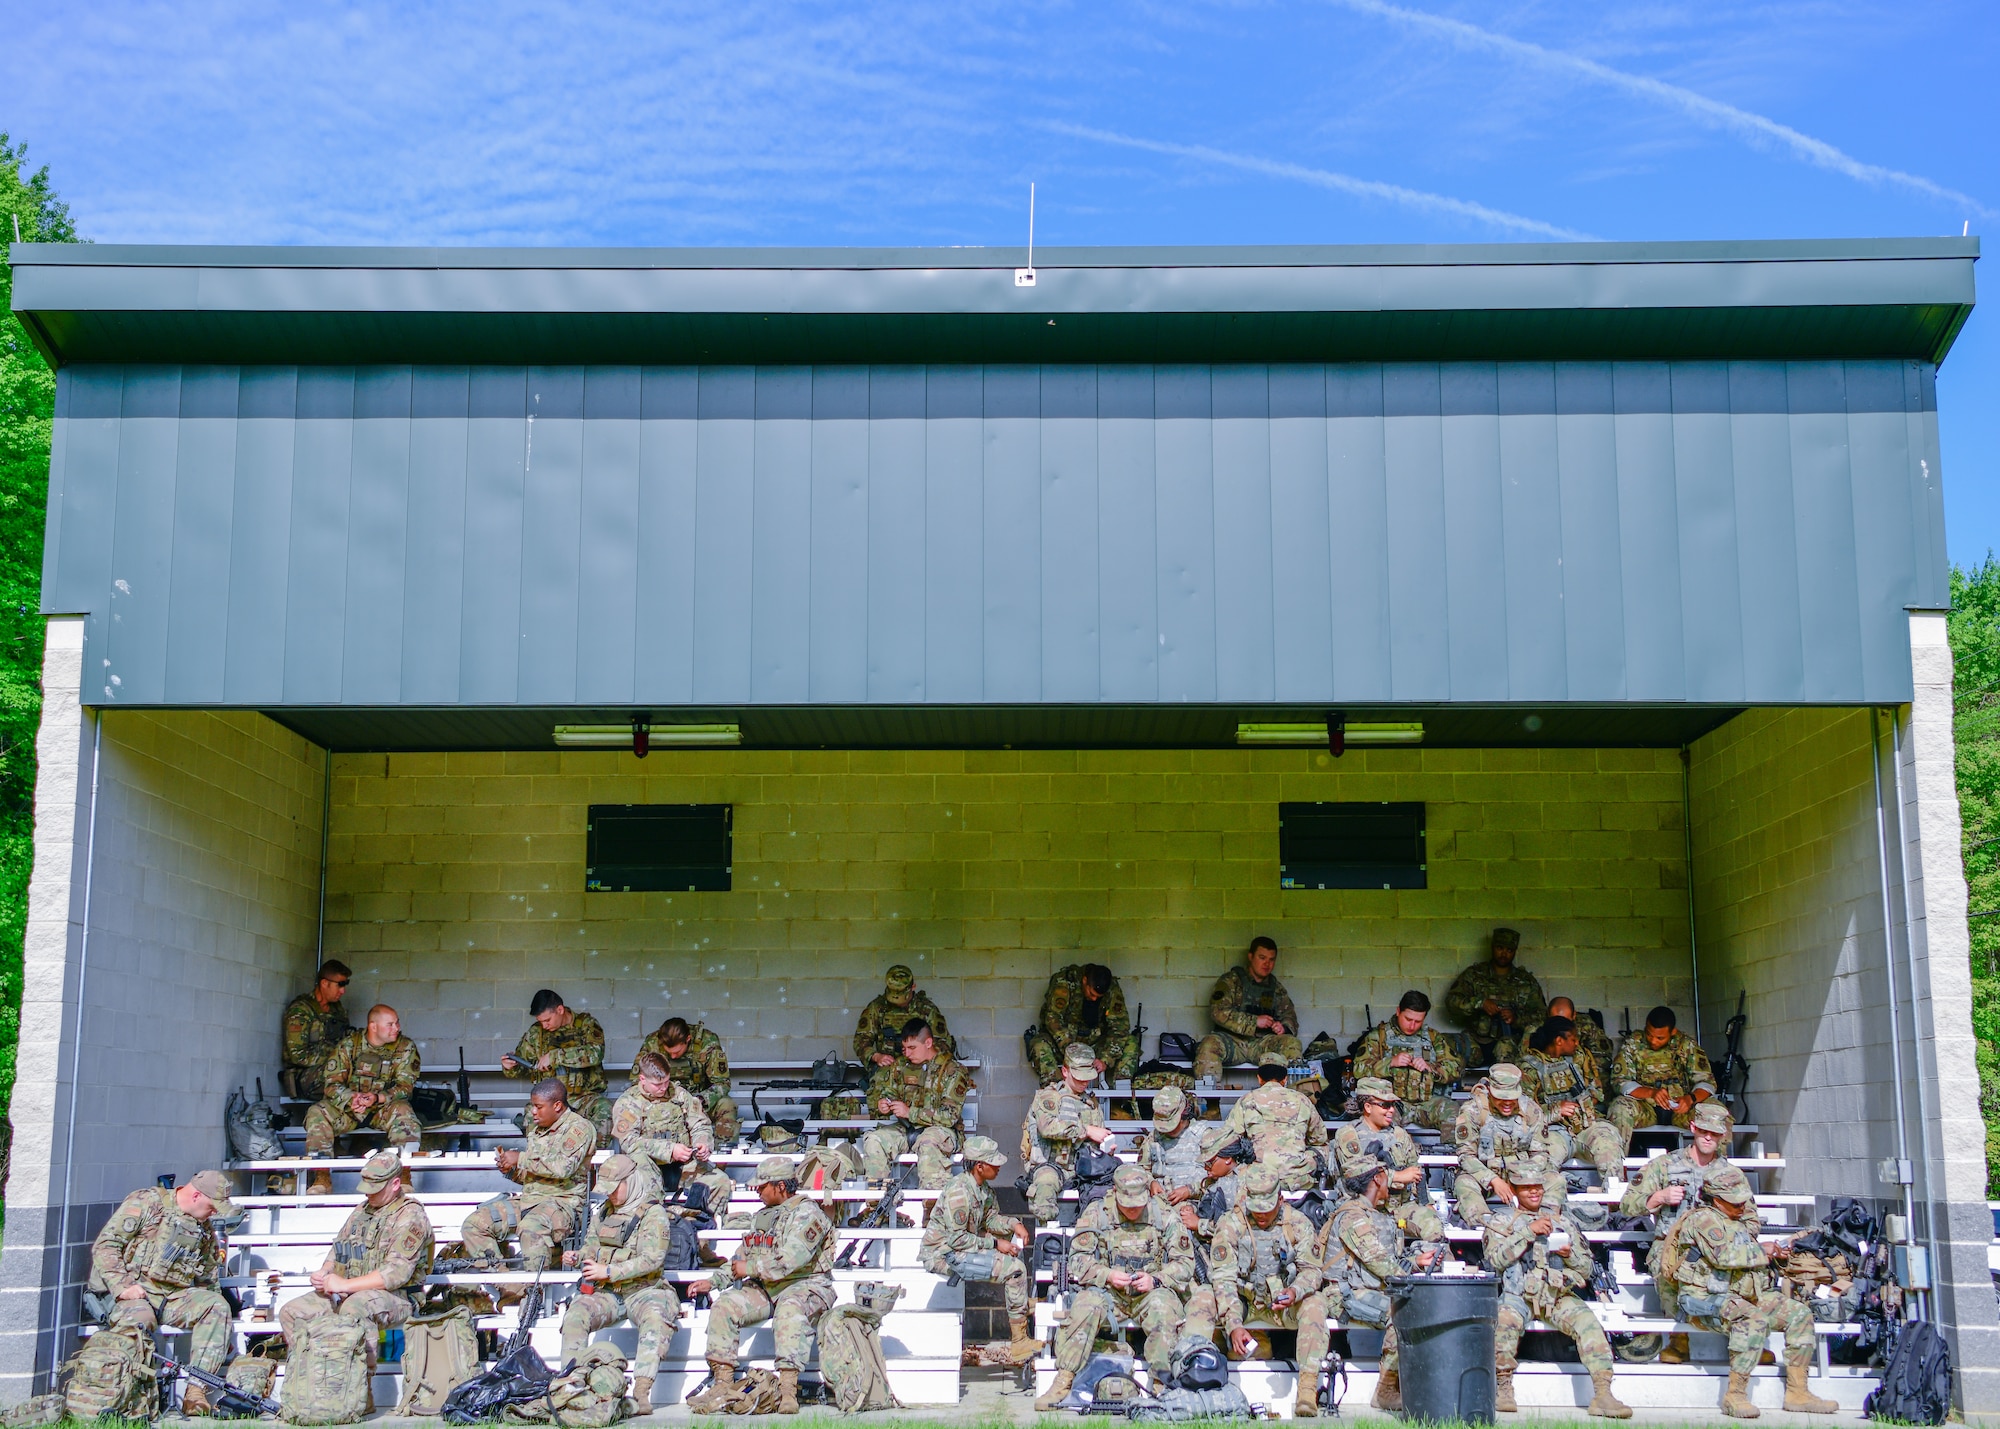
[48, 996]
[1941, 946]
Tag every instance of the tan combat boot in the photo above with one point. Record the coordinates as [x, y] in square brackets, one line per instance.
[1603, 1404]
[788, 1391]
[711, 1400]
[194, 1401]
[320, 1183]
[1305, 1405]
[1023, 1346]
[1799, 1399]
[642, 1396]
[1675, 1351]
[1736, 1399]
[1058, 1392]
[1388, 1391]
[1503, 1392]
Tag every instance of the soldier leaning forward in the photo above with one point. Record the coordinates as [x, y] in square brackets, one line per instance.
[1669, 1187]
[1660, 1073]
[1084, 1003]
[378, 1260]
[1134, 1262]
[782, 1273]
[1542, 1260]
[1264, 1264]
[1418, 1061]
[1589, 1032]
[553, 1169]
[368, 1082]
[1563, 1080]
[314, 1024]
[1374, 1138]
[1723, 1283]
[922, 1093]
[1283, 1124]
[696, 1059]
[1495, 1000]
[1171, 1151]
[158, 1261]
[1061, 1121]
[878, 1034]
[965, 1235]
[567, 1045]
[1498, 1131]
[1362, 1249]
[1253, 1014]
[660, 1125]
[623, 1259]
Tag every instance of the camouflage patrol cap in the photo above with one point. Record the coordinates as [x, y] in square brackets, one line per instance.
[1081, 1059]
[1377, 1089]
[382, 1168]
[1260, 1189]
[1503, 1081]
[1169, 1106]
[775, 1171]
[1713, 1116]
[1733, 1189]
[1532, 1172]
[215, 1186]
[1133, 1185]
[1216, 1141]
[615, 1169]
[1506, 938]
[897, 984]
[983, 1150]
[1273, 1059]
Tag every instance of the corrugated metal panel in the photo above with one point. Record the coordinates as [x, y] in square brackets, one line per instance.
[1590, 533]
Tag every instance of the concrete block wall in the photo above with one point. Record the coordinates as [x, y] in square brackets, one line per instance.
[456, 887]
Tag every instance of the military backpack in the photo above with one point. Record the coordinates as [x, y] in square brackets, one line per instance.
[588, 1395]
[327, 1372]
[112, 1375]
[850, 1350]
[440, 1352]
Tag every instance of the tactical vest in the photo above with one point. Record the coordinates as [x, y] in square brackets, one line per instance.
[1132, 1245]
[180, 1252]
[612, 1236]
[1271, 1257]
[359, 1248]
[1503, 1140]
[1659, 1069]
[1177, 1159]
[1397, 1152]
[1561, 1080]
[1411, 1084]
[1260, 999]
[370, 1069]
[772, 1226]
[1702, 1288]
[1530, 1281]
[1346, 1267]
[1036, 1148]
[1681, 1171]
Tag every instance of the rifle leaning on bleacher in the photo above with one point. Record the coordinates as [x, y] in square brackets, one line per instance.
[226, 1401]
[881, 1216]
[519, 1375]
[1732, 1078]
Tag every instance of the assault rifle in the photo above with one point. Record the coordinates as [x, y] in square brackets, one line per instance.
[831, 1075]
[518, 1376]
[1732, 1078]
[225, 1400]
[1052, 1250]
[881, 1217]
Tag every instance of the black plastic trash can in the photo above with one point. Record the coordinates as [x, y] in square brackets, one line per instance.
[1444, 1336]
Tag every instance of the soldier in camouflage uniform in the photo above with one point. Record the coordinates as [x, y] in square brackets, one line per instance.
[1723, 1283]
[1282, 1124]
[1361, 1250]
[1660, 1073]
[378, 1260]
[314, 1025]
[1563, 1079]
[623, 1258]
[1062, 1119]
[368, 1082]
[965, 1235]
[1201, 1210]
[1171, 1151]
[1494, 999]
[158, 1261]
[1133, 1265]
[568, 1045]
[1539, 1280]
[1671, 1185]
[1267, 1256]
[1419, 1062]
[660, 1124]
[695, 1057]
[1374, 1139]
[1084, 1003]
[1253, 1014]
[1499, 1131]
[878, 1036]
[782, 1273]
[553, 1169]
[924, 1092]
[1590, 1037]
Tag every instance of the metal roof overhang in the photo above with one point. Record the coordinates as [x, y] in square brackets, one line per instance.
[1888, 298]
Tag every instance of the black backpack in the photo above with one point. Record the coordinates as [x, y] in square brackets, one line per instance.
[1092, 1177]
[1916, 1387]
[1197, 1364]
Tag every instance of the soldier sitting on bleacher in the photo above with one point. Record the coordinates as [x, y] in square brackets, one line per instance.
[553, 1167]
[1062, 1120]
[1498, 1129]
[922, 1096]
[368, 1082]
[1134, 1265]
[660, 1124]
[1660, 1074]
[966, 1236]
[1564, 1081]
[1418, 1061]
[695, 1057]
[1172, 1149]
[1283, 1124]
[1670, 1187]
[1083, 1003]
[1266, 1257]
[569, 1045]
[1374, 1138]
[1362, 1249]
[623, 1258]
[383, 1252]
[1252, 1012]
[314, 1024]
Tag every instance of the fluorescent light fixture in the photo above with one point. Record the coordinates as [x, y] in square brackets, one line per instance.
[619, 736]
[1315, 734]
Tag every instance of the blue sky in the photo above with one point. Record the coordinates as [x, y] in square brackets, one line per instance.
[1337, 121]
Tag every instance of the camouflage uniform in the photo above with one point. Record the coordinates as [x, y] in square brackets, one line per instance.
[1680, 1066]
[704, 1070]
[1356, 1146]
[1676, 1168]
[1156, 1243]
[1536, 1285]
[1514, 988]
[632, 1241]
[1248, 1265]
[935, 1093]
[395, 1240]
[555, 1170]
[881, 1026]
[1174, 1159]
[1423, 1094]
[310, 1036]
[1724, 1284]
[788, 1263]
[356, 1066]
[1489, 1144]
[1235, 1005]
[1361, 1248]
[1550, 1081]
[958, 1240]
[576, 1056]
[1050, 1139]
[1589, 1036]
[1285, 1128]
[1104, 1026]
[646, 1130]
[177, 1259]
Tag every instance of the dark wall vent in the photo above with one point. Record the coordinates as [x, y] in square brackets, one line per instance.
[1351, 846]
[658, 848]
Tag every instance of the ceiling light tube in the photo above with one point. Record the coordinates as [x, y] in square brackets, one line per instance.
[658, 736]
[1316, 734]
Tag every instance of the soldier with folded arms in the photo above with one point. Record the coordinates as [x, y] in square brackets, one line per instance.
[965, 1235]
[1495, 1001]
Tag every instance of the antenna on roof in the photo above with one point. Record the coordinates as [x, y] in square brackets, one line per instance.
[1025, 277]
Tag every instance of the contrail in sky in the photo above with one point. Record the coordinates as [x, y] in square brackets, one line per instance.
[1329, 179]
[1697, 106]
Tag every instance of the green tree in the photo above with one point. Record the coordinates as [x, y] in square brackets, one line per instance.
[27, 413]
[1974, 625]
